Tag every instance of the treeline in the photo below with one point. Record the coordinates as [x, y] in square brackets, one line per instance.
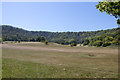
[104, 40]
[38, 39]
[92, 38]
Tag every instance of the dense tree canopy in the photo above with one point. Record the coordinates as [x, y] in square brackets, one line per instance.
[92, 38]
[111, 7]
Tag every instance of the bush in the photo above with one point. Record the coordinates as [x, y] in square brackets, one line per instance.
[62, 43]
[19, 41]
[73, 44]
[106, 44]
[46, 42]
[115, 42]
[118, 21]
[91, 43]
[86, 42]
[97, 43]
[40, 39]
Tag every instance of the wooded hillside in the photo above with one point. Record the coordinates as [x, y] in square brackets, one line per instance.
[93, 38]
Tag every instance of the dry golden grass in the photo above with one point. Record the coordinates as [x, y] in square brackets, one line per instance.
[80, 61]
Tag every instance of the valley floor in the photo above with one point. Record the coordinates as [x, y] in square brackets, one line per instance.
[29, 59]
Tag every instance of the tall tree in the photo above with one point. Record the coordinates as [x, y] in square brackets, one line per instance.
[111, 7]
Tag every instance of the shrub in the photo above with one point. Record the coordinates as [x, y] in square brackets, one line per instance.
[106, 44]
[73, 44]
[62, 43]
[97, 43]
[86, 42]
[46, 42]
[40, 39]
[19, 41]
[115, 42]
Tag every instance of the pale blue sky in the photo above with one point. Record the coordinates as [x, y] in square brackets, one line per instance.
[56, 16]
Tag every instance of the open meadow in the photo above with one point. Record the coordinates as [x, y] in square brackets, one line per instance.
[37, 60]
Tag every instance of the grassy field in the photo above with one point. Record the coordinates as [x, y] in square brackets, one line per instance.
[37, 60]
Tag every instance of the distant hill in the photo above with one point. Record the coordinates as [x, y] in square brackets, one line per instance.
[10, 33]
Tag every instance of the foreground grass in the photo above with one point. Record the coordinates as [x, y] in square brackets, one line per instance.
[20, 69]
[40, 61]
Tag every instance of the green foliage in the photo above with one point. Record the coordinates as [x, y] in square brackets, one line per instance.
[86, 42]
[72, 41]
[73, 44]
[97, 43]
[40, 39]
[91, 38]
[110, 7]
[91, 43]
[0, 39]
[32, 39]
[62, 43]
[46, 42]
[19, 41]
[106, 44]
[115, 42]
[108, 38]
[105, 40]
[118, 21]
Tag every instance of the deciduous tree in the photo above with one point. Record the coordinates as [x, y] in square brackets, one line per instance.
[111, 7]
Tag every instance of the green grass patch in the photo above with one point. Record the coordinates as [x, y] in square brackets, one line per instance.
[20, 69]
[39, 61]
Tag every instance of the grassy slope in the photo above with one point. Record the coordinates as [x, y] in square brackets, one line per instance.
[20, 63]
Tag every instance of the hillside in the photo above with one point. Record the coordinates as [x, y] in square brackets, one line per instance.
[10, 33]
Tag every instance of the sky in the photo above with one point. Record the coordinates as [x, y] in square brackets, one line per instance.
[56, 16]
